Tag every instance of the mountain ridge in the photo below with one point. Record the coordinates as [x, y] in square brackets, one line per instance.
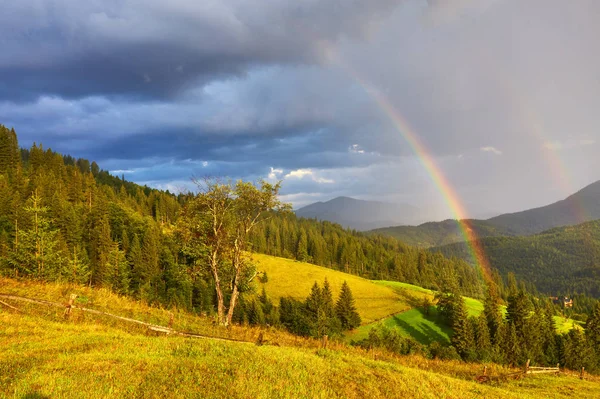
[360, 214]
[577, 208]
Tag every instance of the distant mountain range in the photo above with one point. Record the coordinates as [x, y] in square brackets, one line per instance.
[578, 208]
[559, 261]
[360, 214]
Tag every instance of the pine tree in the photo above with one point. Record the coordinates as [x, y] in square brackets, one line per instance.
[548, 333]
[517, 312]
[592, 328]
[37, 252]
[117, 271]
[256, 316]
[345, 309]
[510, 345]
[482, 338]
[313, 301]
[491, 310]
[577, 352]
[138, 273]
[302, 247]
[77, 269]
[462, 336]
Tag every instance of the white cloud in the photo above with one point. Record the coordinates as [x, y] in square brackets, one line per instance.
[491, 149]
[274, 174]
[121, 171]
[302, 173]
[356, 149]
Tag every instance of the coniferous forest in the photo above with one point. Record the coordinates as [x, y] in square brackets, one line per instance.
[65, 219]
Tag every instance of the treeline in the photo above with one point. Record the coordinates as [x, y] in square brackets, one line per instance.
[318, 315]
[526, 331]
[370, 256]
[66, 219]
[562, 261]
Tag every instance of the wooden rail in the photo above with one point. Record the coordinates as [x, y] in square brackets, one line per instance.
[152, 327]
[518, 374]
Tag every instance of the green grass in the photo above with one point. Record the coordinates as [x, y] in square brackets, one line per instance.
[412, 323]
[564, 325]
[474, 306]
[429, 328]
[42, 355]
[392, 303]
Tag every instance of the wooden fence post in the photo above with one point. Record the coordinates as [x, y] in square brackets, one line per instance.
[526, 367]
[69, 306]
[581, 375]
[484, 370]
[325, 341]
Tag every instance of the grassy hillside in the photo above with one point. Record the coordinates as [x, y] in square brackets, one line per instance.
[430, 327]
[393, 303]
[425, 328]
[43, 355]
[562, 260]
[292, 278]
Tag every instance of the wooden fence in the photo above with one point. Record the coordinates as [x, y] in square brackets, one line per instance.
[518, 374]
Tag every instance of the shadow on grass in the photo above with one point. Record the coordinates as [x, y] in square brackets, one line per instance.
[34, 395]
[423, 332]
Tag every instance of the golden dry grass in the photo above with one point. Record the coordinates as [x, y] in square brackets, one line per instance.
[43, 355]
[292, 278]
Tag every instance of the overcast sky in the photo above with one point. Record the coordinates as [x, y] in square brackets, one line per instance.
[505, 94]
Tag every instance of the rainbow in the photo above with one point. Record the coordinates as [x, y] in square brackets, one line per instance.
[436, 175]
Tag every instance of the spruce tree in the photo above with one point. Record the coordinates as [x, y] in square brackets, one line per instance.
[491, 310]
[548, 332]
[313, 301]
[462, 336]
[117, 271]
[302, 247]
[482, 338]
[345, 309]
[592, 328]
[517, 312]
[138, 273]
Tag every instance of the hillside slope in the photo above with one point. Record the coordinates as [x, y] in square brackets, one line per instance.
[432, 234]
[43, 355]
[393, 303]
[561, 260]
[580, 207]
[289, 278]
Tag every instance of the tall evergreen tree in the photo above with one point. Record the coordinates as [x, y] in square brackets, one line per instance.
[483, 342]
[36, 251]
[491, 310]
[592, 328]
[345, 309]
[462, 336]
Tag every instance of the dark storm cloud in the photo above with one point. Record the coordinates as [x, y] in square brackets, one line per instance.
[499, 92]
[155, 48]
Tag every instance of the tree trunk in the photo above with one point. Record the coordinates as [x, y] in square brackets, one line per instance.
[234, 296]
[220, 300]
